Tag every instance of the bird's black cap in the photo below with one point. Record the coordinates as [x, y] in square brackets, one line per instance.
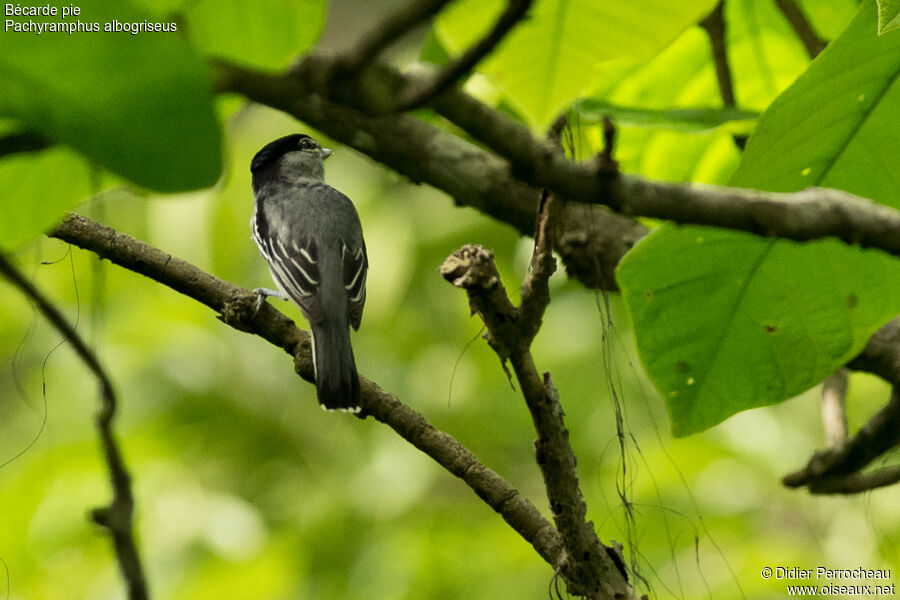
[274, 150]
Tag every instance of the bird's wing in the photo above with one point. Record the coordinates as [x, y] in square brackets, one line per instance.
[355, 266]
[295, 268]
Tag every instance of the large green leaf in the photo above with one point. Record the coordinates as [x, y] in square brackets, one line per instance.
[262, 34]
[727, 321]
[139, 105]
[554, 56]
[837, 125]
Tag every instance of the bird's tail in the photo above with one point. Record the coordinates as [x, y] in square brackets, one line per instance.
[337, 382]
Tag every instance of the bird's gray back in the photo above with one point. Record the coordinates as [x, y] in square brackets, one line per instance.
[310, 207]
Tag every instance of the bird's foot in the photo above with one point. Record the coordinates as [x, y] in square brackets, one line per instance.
[262, 294]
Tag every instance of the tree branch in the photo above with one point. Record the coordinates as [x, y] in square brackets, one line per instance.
[235, 307]
[536, 287]
[715, 26]
[881, 356]
[795, 17]
[117, 518]
[419, 92]
[423, 153]
[587, 566]
[857, 483]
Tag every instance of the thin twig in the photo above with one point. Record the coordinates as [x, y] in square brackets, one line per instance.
[715, 26]
[536, 287]
[801, 26]
[117, 518]
[419, 92]
[235, 306]
[607, 159]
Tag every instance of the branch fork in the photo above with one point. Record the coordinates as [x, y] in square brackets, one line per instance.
[588, 567]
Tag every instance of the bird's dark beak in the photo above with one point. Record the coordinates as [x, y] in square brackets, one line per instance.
[326, 152]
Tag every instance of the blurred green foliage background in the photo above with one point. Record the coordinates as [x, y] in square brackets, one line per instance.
[246, 489]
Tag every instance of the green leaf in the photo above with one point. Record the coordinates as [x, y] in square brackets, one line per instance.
[888, 15]
[139, 105]
[727, 321]
[267, 35]
[37, 189]
[681, 76]
[836, 126]
[555, 55]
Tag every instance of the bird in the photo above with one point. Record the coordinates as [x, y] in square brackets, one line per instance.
[311, 237]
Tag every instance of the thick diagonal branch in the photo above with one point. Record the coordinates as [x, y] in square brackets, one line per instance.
[235, 307]
[588, 567]
[117, 517]
[524, 164]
